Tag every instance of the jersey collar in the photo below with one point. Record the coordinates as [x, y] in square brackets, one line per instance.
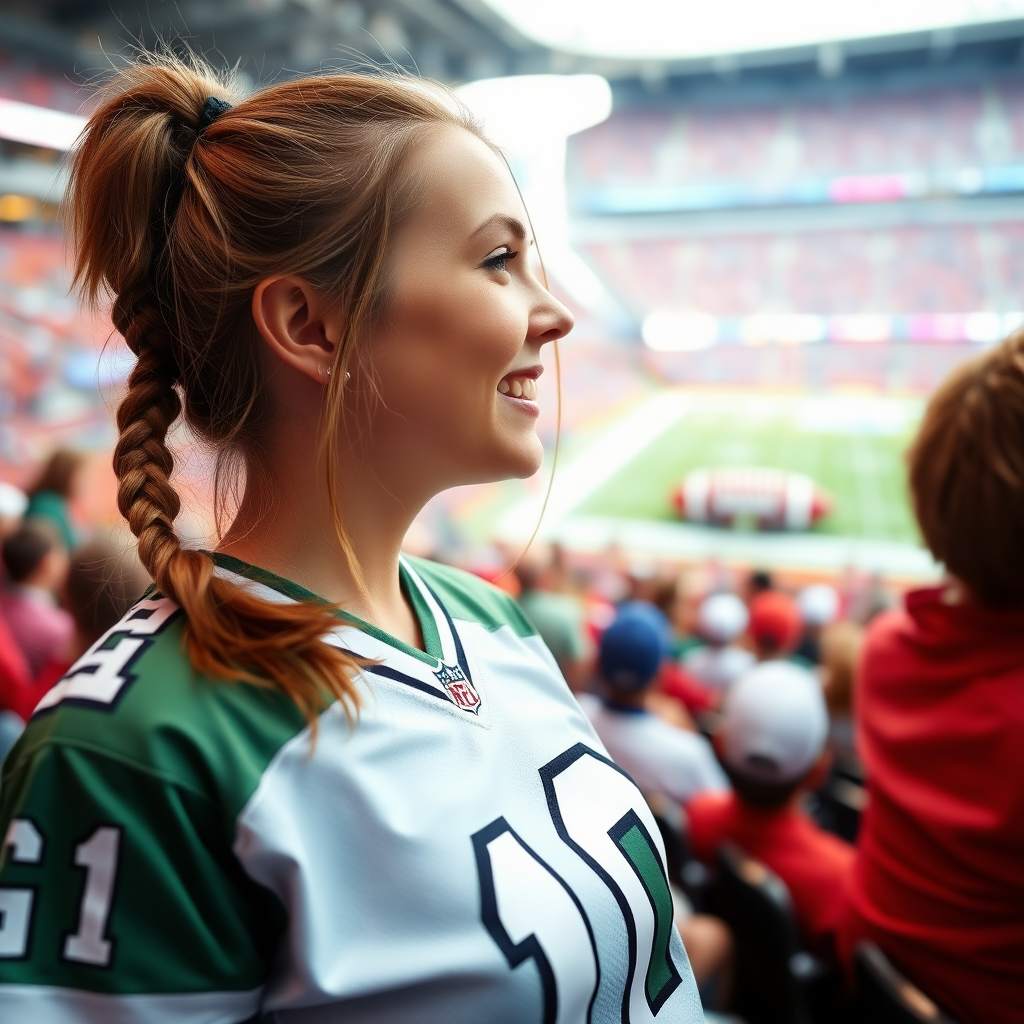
[442, 670]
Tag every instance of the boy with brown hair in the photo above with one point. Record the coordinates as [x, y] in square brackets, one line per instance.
[939, 883]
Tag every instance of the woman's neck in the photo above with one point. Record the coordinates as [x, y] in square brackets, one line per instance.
[287, 527]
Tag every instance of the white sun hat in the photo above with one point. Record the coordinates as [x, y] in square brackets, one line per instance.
[774, 723]
[818, 604]
[721, 618]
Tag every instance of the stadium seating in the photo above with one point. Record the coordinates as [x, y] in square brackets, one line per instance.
[49, 355]
[903, 270]
[839, 805]
[28, 84]
[931, 130]
[884, 996]
[777, 981]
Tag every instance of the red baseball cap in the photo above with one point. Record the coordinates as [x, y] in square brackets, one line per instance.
[775, 618]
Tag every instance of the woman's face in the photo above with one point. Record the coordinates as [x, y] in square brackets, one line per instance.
[457, 355]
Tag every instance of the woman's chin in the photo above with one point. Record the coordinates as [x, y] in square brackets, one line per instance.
[529, 462]
[517, 461]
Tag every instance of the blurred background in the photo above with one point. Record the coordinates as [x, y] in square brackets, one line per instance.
[779, 225]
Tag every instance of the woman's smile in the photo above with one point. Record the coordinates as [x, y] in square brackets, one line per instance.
[518, 388]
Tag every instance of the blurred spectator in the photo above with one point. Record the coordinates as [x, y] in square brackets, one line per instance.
[873, 599]
[686, 600]
[721, 620]
[560, 619]
[771, 742]
[939, 883]
[759, 582]
[774, 625]
[661, 697]
[49, 496]
[14, 679]
[13, 503]
[840, 651]
[37, 568]
[661, 758]
[819, 605]
[103, 582]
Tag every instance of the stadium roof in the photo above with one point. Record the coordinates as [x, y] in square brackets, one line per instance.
[688, 29]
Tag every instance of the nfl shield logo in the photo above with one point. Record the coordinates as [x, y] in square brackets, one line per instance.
[458, 687]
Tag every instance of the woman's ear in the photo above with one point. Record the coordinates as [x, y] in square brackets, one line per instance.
[298, 323]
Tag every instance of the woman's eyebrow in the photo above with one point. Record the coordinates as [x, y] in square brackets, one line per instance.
[514, 225]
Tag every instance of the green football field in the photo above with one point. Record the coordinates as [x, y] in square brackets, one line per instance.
[853, 447]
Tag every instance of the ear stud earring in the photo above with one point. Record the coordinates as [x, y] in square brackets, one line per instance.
[320, 373]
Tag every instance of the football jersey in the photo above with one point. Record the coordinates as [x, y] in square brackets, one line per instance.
[180, 850]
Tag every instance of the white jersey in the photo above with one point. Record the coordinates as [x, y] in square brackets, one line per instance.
[660, 757]
[465, 852]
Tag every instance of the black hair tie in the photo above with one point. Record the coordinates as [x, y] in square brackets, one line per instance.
[212, 109]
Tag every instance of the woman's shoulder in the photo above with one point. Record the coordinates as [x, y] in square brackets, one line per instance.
[469, 598]
[135, 698]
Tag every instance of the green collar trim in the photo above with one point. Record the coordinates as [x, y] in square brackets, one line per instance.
[428, 626]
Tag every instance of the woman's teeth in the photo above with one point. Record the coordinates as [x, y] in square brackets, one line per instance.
[519, 387]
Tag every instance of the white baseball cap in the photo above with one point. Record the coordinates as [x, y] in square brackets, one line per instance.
[818, 604]
[13, 501]
[721, 618]
[774, 723]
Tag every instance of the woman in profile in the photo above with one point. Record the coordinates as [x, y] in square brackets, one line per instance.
[307, 778]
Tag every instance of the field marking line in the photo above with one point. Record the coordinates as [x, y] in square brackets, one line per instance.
[769, 550]
[613, 449]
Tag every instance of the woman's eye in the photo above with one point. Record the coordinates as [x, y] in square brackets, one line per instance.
[498, 260]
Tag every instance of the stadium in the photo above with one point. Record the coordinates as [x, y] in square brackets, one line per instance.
[782, 230]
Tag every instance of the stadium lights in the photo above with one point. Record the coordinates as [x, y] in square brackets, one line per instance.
[783, 329]
[682, 29]
[672, 331]
[519, 110]
[39, 126]
[865, 328]
[679, 332]
[530, 117]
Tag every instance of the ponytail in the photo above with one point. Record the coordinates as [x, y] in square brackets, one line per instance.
[178, 221]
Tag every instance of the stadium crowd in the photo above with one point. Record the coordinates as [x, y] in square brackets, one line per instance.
[858, 752]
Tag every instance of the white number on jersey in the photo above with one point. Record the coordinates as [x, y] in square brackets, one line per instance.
[101, 674]
[26, 846]
[598, 812]
[98, 855]
[533, 915]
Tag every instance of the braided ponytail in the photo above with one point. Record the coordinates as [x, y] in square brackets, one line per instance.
[178, 221]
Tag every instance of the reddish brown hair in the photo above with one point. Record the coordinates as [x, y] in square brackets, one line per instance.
[178, 224]
[967, 474]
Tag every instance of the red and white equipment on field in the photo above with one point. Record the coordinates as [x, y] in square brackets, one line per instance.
[773, 499]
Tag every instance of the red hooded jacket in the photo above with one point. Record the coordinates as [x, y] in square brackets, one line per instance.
[939, 878]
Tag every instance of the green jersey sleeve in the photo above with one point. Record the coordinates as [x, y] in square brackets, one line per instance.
[120, 897]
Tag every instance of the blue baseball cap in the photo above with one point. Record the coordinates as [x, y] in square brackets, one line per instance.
[652, 614]
[632, 650]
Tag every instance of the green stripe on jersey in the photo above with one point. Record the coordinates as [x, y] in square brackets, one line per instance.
[470, 599]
